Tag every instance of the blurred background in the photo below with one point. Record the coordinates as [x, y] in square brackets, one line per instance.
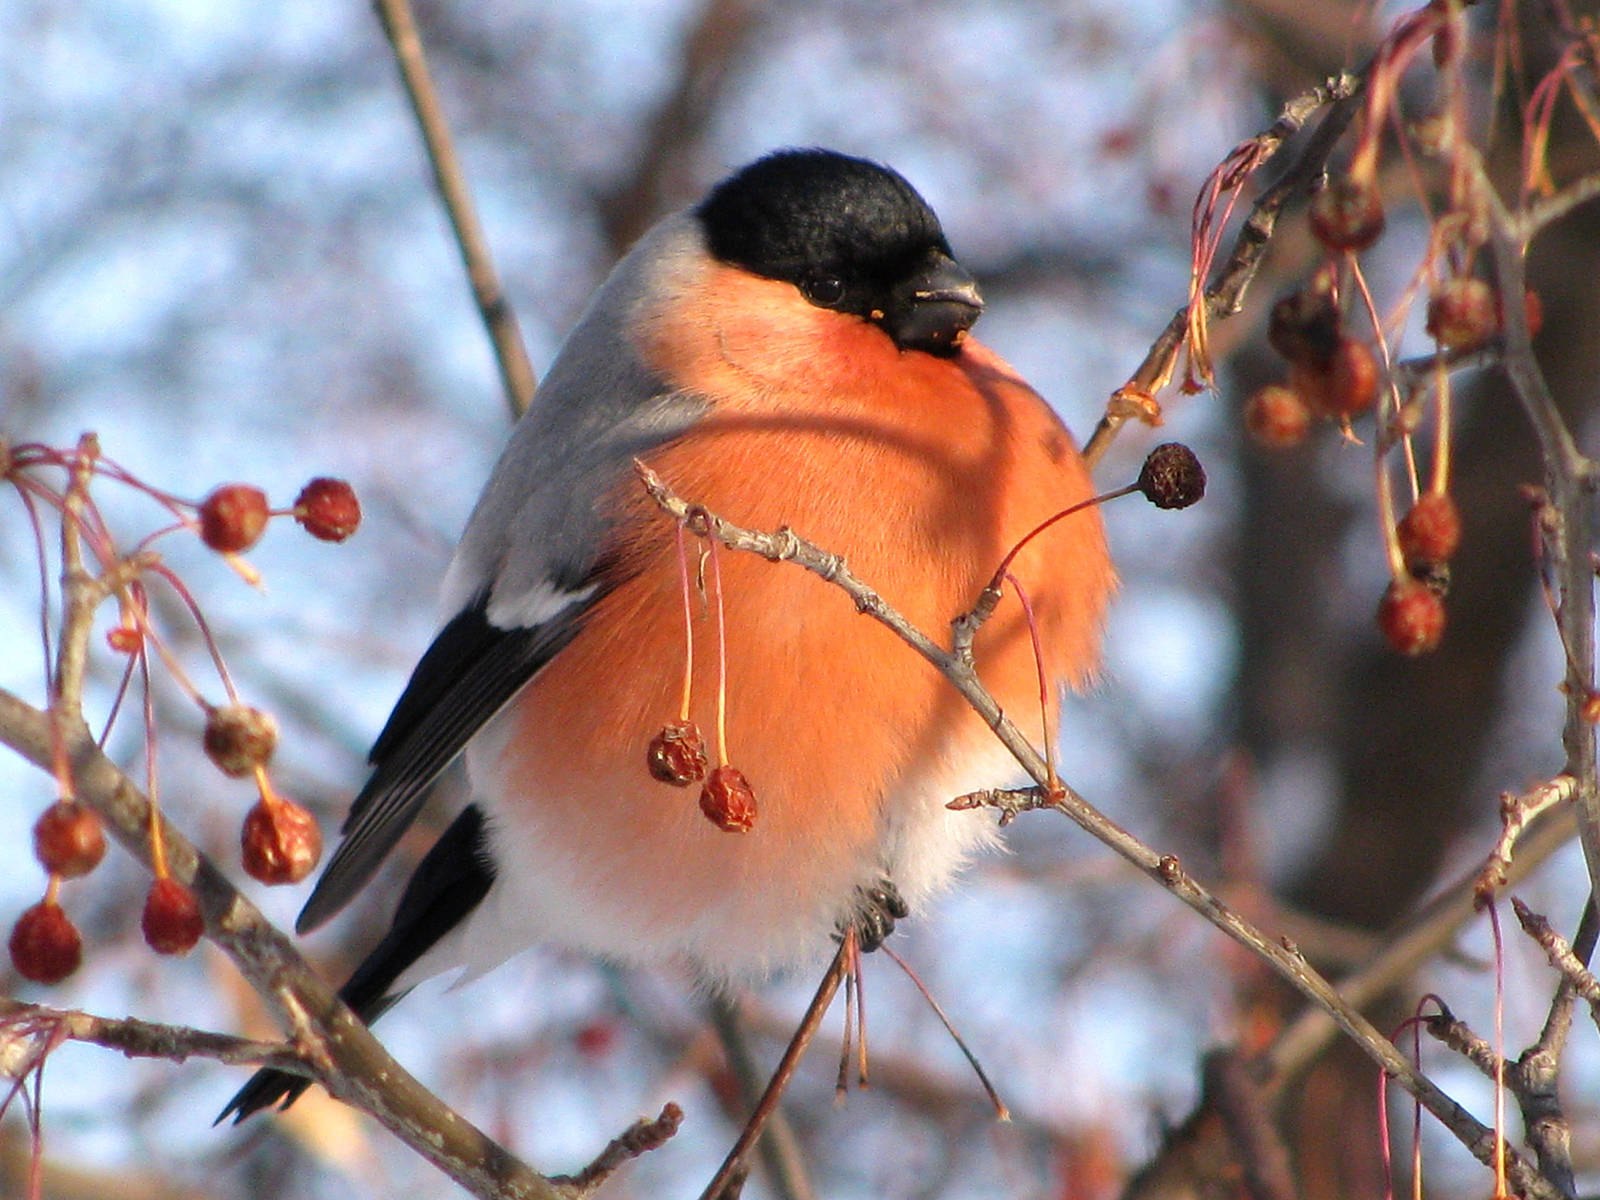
[220, 249]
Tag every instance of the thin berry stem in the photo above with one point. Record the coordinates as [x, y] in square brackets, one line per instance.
[688, 626]
[722, 659]
[1052, 780]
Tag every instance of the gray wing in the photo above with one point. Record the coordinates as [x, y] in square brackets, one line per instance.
[530, 565]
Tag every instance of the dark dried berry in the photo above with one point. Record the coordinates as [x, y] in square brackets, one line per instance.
[1431, 531]
[728, 800]
[239, 738]
[171, 923]
[45, 946]
[1411, 617]
[1347, 214]
[1305, 326]
[1276, 416]
[677, 754]
[280, 841]
[1172, 476]
[68, 839]
[232, 517]
[328, 509]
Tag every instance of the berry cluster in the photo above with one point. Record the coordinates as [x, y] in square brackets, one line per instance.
[280, 841]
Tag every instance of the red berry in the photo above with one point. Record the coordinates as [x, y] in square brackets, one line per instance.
[1463, 313]
[239, 738]
[68, 839]
[45, 946]
[1345, 386]
[328, 509]
[1277, 417]
[1347, 214]
[280, 841]
[1431, 531]
[233, 517]
[677, 754]
[1411, 617]
[596, 1039]
[728, 800]
[172, 923]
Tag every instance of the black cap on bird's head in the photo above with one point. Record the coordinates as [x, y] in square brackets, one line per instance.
[852, 236]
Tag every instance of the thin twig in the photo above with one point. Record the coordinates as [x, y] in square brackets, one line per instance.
[510, 353]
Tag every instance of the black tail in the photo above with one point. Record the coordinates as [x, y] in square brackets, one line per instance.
[448, 884]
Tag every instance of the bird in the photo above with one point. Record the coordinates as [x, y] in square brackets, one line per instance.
[792, 351]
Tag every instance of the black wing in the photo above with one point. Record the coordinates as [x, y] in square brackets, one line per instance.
[469, 673]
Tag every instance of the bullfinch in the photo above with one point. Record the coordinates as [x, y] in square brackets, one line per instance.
[793, 351]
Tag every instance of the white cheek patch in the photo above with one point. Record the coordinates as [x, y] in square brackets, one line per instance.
[533, 607]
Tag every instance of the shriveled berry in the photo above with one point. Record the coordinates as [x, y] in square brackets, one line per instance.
[1347, 214]
[1463, 313]
[1172, 476]
[1305, 326]
[1276, 416]
[1411, 617]
[1345, 386]
[45, 946]
[280, 841]
[240, 738]
[172, 923]
[68, 839]
[1431, 531]
[233, 517]
[677, 754]
[328, 509]
[728, 801]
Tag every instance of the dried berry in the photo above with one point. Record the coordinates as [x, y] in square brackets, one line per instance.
[1276, 416]
[1411, 617]
[45, 946]
[1305, 326]
[232, 517]
[68, 839]
[1463, 313]
[328, 509]
[1347, 214]
[1431, 531]
[728, 800]
[280, 841]
[172, 923]
[1172, 476]
[677, 754]
[239, 738]
[1345, 386]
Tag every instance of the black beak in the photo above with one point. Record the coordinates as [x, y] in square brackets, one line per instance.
[934, 308]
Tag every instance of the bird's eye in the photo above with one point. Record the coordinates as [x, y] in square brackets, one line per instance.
[825, 291]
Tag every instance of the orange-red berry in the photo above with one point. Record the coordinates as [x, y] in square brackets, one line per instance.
[1411, 617]
[280, 841]
[233, 517]
[45, 946]
[68, 839]
[1463, 313]
[1347, 214]
[1345, 386]
[677, 755]
[1276, 416]
[239, 738]
[728, 801]
[328, 509]
[1431, 531]
[171, 923]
